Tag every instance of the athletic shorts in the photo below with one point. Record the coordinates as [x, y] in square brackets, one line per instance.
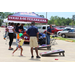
[33, 42]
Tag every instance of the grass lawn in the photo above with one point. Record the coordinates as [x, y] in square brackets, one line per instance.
[65, 39]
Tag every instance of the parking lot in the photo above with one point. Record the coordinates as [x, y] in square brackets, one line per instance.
[6, 55]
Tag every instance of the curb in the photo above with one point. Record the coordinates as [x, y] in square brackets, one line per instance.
[68, 40]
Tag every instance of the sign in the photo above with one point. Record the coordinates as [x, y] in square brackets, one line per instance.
[27, 19]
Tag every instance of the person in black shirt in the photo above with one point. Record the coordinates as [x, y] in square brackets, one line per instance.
[21, 27]
[17, 31]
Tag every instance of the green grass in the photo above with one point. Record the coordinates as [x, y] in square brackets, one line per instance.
[65, 39]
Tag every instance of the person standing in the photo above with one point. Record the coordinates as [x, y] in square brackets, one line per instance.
[49, 32]
[33, 33]
[17, 32]
[6, 33]
[11, 31]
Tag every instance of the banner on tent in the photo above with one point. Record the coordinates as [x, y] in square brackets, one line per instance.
[27, 19]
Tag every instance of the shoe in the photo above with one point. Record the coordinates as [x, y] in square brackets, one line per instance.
[10, 49]
[38, 57]
[32, 56]
[21, 55]
[12, 54]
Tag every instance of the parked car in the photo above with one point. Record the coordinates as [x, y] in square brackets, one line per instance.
[54, 30]
[70, 33]
[42, 28]
[3, 25]
[65, 30]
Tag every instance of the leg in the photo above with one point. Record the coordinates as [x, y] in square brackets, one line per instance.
[5, 35]
[48, 39]
[9, 41]
[31, 45]
[21, 51]
[36, 51]
[32, 51]
[15, 50]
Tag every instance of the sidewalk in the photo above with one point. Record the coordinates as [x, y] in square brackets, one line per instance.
[6, 55]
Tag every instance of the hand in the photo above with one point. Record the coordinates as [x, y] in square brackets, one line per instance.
[51, 33]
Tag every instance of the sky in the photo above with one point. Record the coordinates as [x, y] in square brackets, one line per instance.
[59, 14]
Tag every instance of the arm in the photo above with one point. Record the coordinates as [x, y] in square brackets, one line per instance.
[48, 32]
[37, 36]
[27, 32]
[7, 30]
[14, 30]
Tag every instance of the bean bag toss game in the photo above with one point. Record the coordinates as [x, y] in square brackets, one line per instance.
[43, 46]
[60, 51]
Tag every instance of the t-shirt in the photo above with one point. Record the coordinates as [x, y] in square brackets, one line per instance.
[49, 30]
[41, 35]
[21, 42]
[10, 28]
[32, 31]
[17, 29]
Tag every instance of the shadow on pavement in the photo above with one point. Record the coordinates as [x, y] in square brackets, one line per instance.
[37, 59]
[53, 56]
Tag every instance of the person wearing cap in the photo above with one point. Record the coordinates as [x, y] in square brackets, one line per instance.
[33, 33]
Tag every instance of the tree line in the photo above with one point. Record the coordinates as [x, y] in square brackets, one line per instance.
[61, 21]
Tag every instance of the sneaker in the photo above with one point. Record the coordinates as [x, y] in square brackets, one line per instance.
[10, 49]
[12, 54]
[32, 56]
[21, 55]
[38, 57]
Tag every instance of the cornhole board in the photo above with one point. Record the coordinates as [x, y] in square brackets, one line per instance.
[43, 46]
[60, 51]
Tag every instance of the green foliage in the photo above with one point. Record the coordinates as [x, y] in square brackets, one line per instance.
[60, 21]
[4, 15]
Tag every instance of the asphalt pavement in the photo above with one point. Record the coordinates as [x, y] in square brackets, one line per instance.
[6, 55]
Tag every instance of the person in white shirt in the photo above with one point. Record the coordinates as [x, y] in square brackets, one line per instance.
[11, 31]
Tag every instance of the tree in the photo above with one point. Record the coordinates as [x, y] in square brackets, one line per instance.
[7, 13]
[1, 17]
[60, 21]
[4, 15]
